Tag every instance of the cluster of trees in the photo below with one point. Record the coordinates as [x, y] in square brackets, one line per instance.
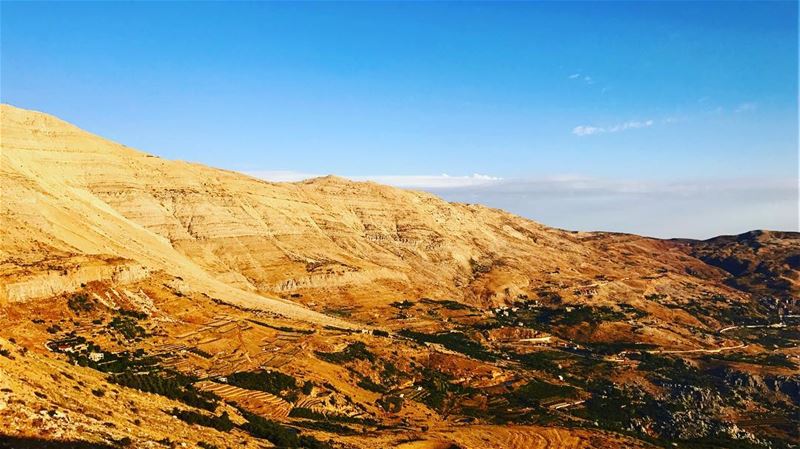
[454, 341]
[222, 423]
[177, 387]
[274, 382]
[280, 435]
[80, 303]
[354, 351]
[128, 327]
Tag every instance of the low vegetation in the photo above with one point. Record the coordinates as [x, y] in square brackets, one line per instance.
[273, 382]
[278, 434]
[80, 302]
[454, 341]
[222, 423]
[354, 351]
[173, 386]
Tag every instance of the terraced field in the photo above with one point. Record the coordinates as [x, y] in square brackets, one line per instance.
[529, 437]
[258, 402]
[505, 437]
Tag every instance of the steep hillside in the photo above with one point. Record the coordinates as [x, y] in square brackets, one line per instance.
[763, 263]
[67, 193]
[145, 302]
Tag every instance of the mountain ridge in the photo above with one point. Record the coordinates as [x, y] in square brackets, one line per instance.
[328, 313]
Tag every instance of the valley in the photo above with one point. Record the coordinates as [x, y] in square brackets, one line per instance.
[155, 303]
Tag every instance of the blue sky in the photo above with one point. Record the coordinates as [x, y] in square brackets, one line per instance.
[559, 107]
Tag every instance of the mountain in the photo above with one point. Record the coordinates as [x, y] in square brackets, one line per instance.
[763, 263]
[364, 314]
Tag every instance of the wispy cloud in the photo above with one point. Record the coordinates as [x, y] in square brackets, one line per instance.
[588, 130]
[431, 181]
[407, 181]
[746, 107]
[581, 77]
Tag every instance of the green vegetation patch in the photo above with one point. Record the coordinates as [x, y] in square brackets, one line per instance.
[370, 385]
[441, 394]
[446, 303]
[222, 423]
[770, 359]
[542, 360]
[278, 434]
[171, 385]
[80, 302]
[127, 326]
[274, 382]
[454, 341]
[282, 328]
[302, 412]
[536, 391]
[354, 351]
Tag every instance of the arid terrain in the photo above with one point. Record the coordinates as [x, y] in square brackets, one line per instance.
[150, 303]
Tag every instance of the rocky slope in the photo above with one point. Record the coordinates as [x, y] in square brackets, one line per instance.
[764, 263]
[358, 315]
[67, 192]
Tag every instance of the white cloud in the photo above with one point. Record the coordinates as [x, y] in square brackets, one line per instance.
[436, 181]
[581, 77]
[588, 130]
[746, 107]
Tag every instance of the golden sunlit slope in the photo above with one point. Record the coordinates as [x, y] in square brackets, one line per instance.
[68, 193]
[121, 273]
[58, 231]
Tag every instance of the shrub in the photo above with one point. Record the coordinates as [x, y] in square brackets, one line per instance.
[222, 423]
[133, 314]
[199, 352]
[127, 327]
[302, 412]
[270, 381]
[404, 304]
[176, 387]
[448, 304]
[478, 268]
[354, 351]
[536, 391]
[391, 403]
[454, 341]
[275, 433]
[367, 384]
[80, 303]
